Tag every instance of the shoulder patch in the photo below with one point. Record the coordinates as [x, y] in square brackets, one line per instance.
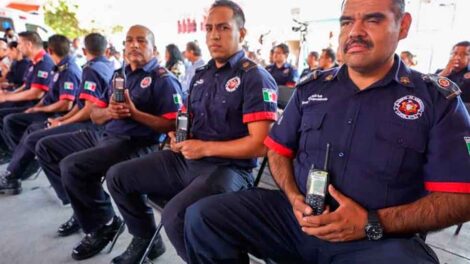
[446, 87]
[202, 68]
[310, 77]
[247, 64]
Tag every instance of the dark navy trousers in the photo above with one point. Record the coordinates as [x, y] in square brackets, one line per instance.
[25, 151]
[225, 228]
[167, 175]
[80, 160]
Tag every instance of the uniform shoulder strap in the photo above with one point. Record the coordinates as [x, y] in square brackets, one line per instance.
[443, 85]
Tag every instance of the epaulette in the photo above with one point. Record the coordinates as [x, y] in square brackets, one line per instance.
[202, 68]
[62, 67]
[162, 72]
[443, 85]
[310, 77]
[248, 64]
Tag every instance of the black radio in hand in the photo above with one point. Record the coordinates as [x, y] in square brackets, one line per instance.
[317, 186]
[119, 82]
[182, 126]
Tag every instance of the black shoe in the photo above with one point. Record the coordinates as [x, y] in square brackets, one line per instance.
[9, 184]
[136, 249]
[93, 243]
[69, 227]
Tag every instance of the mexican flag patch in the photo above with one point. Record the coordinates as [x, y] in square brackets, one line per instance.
[43, 74]
[68, 85]
[467, 141]
[269, 95]
[177, 99]
[90, 86]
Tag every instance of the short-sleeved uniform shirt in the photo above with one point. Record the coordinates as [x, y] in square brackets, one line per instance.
[65, 85]
[152, 89]
[462, 79]
[224, 100]
[18, 70]
[286, 75]
[39, 74]
[96, 78]
[390, 143]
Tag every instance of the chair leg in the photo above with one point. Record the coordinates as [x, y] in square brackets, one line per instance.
[152, 241]
[457, 231]
[115, 238]
[260, 171]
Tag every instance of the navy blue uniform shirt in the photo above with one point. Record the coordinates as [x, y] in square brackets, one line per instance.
[153, 90]
[65, 83]
[18, 69]
[39, 74]
[96, 77]
[224, 100]
[462, 79]
[391, 143]
[286, 75]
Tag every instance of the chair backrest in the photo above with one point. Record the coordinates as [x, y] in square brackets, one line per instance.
[284, 95]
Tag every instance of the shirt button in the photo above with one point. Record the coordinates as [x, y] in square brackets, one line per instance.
[350, 121]
[207, 94]
[341, 154]
[202, 114]
[400, 141]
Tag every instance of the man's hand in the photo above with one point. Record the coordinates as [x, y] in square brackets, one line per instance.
[345, 224]
[173, 143]
[32, 109]
[450, 67]
[53, 122]
[192, 148]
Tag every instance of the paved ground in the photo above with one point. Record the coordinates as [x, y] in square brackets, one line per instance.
[28, 223]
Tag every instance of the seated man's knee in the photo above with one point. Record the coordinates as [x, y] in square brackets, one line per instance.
[114, 177]
[41, 150]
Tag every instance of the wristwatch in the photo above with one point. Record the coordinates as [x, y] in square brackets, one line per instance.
[374, 230]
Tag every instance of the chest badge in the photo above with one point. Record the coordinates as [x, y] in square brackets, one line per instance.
[146, 82]
[286, 71]
[409, 107]
[466, 76]
[232, 84]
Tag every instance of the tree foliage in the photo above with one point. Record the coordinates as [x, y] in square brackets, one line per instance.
[62, 18]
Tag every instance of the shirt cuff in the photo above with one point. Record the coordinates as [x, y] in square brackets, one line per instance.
[170, 116]
[451, 187]
[93, 99]
[40, 86]
[278, 148]
[68, 97]
[258, 116]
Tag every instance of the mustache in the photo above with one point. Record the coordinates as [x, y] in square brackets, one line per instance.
[358, 40]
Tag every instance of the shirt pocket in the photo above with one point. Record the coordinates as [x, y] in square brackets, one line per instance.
[398, 147]
[310, 131]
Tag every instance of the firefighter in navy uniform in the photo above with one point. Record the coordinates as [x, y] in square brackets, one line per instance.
[83, 157]
[58, 99]
[232, 104]
[283, 72]
[398, 165]
[458, 69]
[97, 73]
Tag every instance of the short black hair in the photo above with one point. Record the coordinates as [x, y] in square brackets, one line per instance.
[330, 53]
[32, 37]
[398, 8]
[314, 54]
[59, 45]
[283, 47]
[13, 44]
[462, 44]
[95, 44]
[237, 11]
[194, 48]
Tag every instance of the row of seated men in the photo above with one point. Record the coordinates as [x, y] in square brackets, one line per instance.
[398, 164]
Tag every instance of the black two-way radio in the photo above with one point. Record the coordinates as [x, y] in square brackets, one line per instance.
[182, 126]
[317, 186]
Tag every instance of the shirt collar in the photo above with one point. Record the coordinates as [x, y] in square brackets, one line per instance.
[149, 67]
[39, 56]
[232, 61]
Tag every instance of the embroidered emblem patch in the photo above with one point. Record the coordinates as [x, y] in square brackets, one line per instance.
[467, 141]
[177, 99]
[405, 80]
[409, 107]
[269, 96]
[466, 75]
[329, 77]
[90, 86]
[232, 84]
[146, 82]
[443, 82]
[43, 74]
[68, 85]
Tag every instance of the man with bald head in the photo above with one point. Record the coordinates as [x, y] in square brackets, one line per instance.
[397, 160]
[82, 158]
